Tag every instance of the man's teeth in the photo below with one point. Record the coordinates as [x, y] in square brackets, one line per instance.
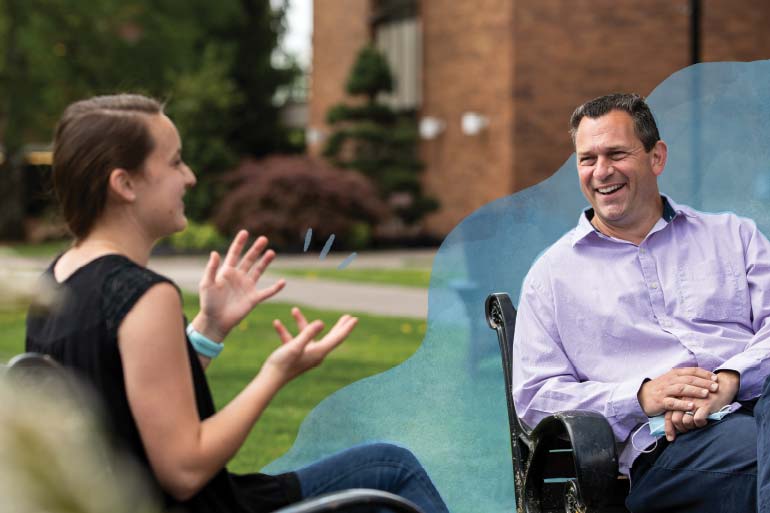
[612, 188]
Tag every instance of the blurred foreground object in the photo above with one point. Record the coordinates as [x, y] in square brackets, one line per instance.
[53, 457]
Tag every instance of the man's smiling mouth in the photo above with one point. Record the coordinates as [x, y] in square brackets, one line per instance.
[609, 189]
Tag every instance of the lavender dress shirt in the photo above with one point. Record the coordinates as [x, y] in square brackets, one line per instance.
[597, 316]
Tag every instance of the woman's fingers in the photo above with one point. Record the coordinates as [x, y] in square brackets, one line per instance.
[283, 333]
[299, 318]
[210, 272]
[236, 247]
[256, 270]
[308, 333]
[338, 333]
[249, 260]
[270, 291]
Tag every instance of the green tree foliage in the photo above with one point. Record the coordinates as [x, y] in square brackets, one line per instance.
[211, 62]
[374, 139]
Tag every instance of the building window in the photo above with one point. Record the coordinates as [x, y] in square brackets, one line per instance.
[397, 35]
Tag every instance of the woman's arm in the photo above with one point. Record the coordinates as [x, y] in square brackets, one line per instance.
[184, 451]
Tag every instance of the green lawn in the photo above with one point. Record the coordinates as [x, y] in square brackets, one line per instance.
[43, 249]
[406, 277]
[376, 345]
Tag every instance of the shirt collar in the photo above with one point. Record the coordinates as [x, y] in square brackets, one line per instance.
[584, 227]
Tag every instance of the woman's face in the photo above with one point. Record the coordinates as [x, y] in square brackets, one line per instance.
[162, 183]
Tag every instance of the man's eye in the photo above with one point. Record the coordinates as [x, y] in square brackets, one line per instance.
[587, 161]
[618, 155]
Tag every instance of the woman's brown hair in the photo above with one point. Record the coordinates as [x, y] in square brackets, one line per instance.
[92, 138]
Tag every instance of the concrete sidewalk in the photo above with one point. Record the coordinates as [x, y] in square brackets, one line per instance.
[387, 300]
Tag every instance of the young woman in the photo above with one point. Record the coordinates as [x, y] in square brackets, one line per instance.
[120, 178]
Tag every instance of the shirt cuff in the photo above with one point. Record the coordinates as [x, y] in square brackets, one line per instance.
[624, 405]
[752, 375]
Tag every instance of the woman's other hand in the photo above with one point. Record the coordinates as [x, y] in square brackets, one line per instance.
[228, 292]
[301, 353]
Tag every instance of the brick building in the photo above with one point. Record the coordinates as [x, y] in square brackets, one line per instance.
[495, 81]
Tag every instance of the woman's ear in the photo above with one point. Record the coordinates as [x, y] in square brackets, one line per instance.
[121, 185]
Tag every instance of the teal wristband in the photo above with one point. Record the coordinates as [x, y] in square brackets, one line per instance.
[203, 345]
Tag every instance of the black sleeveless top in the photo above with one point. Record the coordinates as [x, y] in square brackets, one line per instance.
[81, 333]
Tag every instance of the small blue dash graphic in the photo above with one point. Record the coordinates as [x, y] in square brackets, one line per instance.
[308, 238]
[327, 247]
[347, 261]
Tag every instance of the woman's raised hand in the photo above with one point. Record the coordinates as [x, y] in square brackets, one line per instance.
[301, 353]
[228, 292]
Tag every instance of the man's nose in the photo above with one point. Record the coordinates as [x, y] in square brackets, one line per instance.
[603, 168]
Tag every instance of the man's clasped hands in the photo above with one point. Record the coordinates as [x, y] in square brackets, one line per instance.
[687, 396]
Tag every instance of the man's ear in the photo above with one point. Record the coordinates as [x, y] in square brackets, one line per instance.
[659, 154]
[121, 185]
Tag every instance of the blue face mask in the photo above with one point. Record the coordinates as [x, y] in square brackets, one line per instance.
[657, 426]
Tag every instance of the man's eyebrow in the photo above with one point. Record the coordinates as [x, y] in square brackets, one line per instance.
[608, 149]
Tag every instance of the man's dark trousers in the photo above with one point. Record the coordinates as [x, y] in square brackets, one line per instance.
[708, 470]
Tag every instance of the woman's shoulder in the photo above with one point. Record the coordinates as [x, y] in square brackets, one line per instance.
[124, 283]
[122, 274]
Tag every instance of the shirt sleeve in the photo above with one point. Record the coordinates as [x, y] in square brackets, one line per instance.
[753, 364]
[544, 379]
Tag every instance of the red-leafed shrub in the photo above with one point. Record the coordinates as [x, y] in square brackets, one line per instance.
[281, 196]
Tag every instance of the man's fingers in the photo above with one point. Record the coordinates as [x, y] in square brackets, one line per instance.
[283, 333]
[668, 427]
[696, 381]
[700, 418]
[688, 420]
[676, 420]
[673, 403]
[695, 371]
[236, 246]
[683, 390]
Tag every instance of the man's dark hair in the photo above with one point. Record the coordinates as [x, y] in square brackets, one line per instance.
[644, 123]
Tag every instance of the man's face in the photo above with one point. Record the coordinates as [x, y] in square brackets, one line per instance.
[617, 175]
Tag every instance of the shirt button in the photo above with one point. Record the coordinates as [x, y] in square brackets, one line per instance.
[642, 251]
[653, 285]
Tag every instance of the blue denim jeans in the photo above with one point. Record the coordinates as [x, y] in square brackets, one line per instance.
[380, 466]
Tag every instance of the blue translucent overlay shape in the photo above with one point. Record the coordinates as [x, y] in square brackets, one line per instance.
[347, 261]
[327, 247]
[446, 403]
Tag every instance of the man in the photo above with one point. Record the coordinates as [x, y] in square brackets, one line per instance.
[651, 308]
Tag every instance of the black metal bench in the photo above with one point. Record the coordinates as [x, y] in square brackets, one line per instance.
[568, 462]
[40, 370]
